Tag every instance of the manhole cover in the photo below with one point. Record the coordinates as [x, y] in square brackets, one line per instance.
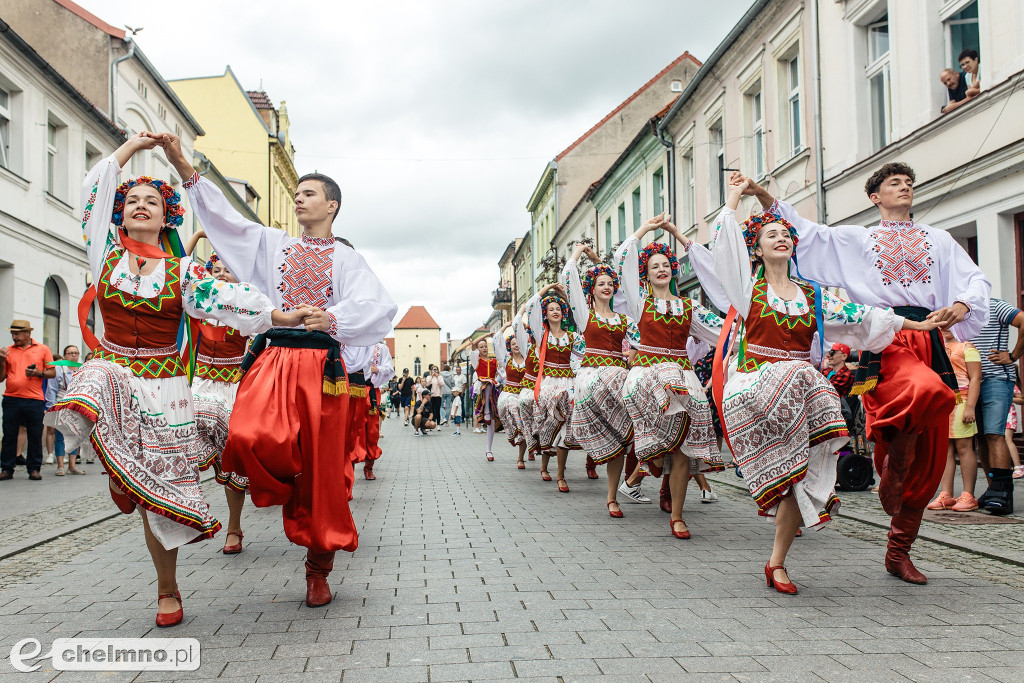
[950, 517]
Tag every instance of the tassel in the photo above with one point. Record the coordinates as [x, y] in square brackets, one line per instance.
[333, 387]
[864, 388]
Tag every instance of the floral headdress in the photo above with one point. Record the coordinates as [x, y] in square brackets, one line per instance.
[552, 299]
[657, 248]
[174, 212]
[508, 341]
[597, 271]
[752, 226]
[209, 264]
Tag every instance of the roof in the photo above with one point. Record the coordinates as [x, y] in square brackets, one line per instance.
[85, 14]
[647, 129]
[390, 343]
[259, 99]
[640, 91]
[61, 82]
[417, 319]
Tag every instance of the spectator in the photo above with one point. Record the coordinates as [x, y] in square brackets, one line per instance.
[1012, 427]
[968, 60]
[446, 392]
[423, 420]
[835, 369]
[394, 396]
[405, 393]
[55, 390]
[956, 83]
[456, 412]
[459, 384]
[434, 383]
[998, 377]
[23, 366]
[966, 362]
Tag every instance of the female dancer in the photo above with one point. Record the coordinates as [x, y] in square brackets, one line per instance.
[219, 355]
[513, 363]
[557, 364]
[780, 414]
[132, 400]
[485, 408]
[664, 399]
[527, 402]
[600, 422]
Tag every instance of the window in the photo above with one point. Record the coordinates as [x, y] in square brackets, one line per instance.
[622, 222]
[143, 90]
[417, 368]
[962, 33]
[92, 156]
[755, 131]
[52, 158]
[608, 235]
[658, 191]
[789, 73]
[689, 208]
[637, 212]
[879, 87]
[716, 145]
[161, 110]
[51, 314]
[5, 127]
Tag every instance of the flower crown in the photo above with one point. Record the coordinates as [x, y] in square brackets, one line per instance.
[209, 264]
[174, 212]
[657, 248]
[597, 271]
[551, 299]
[752, 226]
[508, 342]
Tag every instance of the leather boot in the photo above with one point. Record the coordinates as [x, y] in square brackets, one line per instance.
[902, 532]
[899, 457]
[998, 499]
[368, 471]
[666, 495]
[318, 566]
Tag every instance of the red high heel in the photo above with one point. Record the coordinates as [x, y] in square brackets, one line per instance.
[563, 486]
[616, 514]
[237, 547]
[678, 534]
[520, 465]
[490, 456]
[165, 619]
[545, 476]
[788, 588]
[123, 502]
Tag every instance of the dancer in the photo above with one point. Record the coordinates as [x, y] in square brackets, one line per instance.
[909, 389]
[781, 415]
[485, 409]
[294, 395]
[132, 400]
[665, 400]
[600, 422]
[380, 372]
[219, 357]
[510, 371]
[527, 401]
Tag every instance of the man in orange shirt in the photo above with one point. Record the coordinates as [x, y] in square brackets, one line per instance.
[23, 366]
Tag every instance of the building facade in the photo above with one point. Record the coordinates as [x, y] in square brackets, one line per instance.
[417, 342]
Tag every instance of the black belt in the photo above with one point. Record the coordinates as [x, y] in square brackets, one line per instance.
[335, 380]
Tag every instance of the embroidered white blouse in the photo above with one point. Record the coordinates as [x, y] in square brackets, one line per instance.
[292, 271]
[535, 315]
[572, 279]
[381, 358]
[893, 264]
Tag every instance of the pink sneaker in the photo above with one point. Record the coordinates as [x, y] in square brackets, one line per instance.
[965, 503]
[943, 501]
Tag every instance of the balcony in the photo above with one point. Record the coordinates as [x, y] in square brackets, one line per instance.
[502, 298]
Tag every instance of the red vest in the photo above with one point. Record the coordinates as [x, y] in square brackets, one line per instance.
[487, 368]
[531, 369]
[604, 343]
[219, 353]
[772, 336]
[556, 359]
[141, 334]
[513, 378]
[663, 336]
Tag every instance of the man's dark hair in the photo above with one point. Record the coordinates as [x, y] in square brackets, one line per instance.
[69, 346]
[970, 53]
[405, 370]
[343, 241]
[887, 171]
[332, 192]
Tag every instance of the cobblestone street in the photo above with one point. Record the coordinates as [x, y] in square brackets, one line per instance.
[469, 570]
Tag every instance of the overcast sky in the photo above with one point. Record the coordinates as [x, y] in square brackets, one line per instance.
[436, 118]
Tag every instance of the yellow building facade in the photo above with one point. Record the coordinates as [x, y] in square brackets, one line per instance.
[248, 139]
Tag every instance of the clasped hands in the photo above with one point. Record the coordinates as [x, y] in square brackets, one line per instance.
[310, 317]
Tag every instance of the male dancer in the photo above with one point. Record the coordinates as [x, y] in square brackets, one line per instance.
[909, 389]
[285, 432]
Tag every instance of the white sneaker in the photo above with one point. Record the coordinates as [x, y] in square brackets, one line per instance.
[708, 496]
[49, 459]
[417, 433]
[478, 431]
[632, 493]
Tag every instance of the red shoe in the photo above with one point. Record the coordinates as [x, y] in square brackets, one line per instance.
[616, 514]
[678, 534]
[787, 588]
[563, 486]
[125, 505]
[165, 619]
[799, 532]
[532, 457]
[545, 476]
[368, 473]
[655, 470]
[520, 465]
[591, 468]
[490, 456]
[318, 593]
[237, 547]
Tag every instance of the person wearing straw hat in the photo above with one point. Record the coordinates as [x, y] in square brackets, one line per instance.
[23, 367]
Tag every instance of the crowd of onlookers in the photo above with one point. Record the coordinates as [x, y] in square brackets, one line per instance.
[963, 84]
[427, 402]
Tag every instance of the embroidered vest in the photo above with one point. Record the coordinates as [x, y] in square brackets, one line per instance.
[219, 353]
[513, 377]
[772, 336]
[604, 343]
[530, 369]
[556, 359]
[663, 336]
[487, 368]
[141, 334]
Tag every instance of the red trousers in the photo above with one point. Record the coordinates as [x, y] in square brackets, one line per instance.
[911, 398]
[289, 439]
[373, 450]
[359, 417]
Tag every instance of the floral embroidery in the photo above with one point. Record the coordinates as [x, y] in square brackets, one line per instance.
[192, 180]
[333, 328]
[904, 253]
[306, 275]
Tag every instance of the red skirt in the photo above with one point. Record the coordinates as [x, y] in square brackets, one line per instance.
[284, 436]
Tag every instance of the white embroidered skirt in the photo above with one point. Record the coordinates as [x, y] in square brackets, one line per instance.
[600, 422]
[552, 414]
[508, 413]
[212, 401]
[527, 407]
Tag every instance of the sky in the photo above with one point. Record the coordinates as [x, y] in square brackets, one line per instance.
[436, 118]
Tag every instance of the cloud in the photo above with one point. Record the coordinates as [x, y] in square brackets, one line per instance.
[436, 118]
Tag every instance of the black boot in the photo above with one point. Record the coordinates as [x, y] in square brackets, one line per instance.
[998, 499]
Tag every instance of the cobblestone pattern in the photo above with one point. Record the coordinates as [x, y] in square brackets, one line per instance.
[469, 570]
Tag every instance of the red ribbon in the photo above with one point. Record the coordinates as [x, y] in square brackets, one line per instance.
[540, 369]
[718, 371]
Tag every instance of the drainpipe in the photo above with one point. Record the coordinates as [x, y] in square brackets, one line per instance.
[113, 74]
[819, 155]
[670, 167]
